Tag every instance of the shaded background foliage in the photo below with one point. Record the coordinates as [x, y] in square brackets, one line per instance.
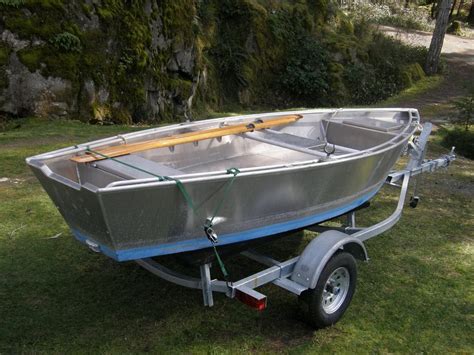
[167, 60]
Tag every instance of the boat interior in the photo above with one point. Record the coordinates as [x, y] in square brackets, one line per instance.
[313, 137]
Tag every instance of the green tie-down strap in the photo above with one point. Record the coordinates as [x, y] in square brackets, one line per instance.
[234, 172]
[209, 221]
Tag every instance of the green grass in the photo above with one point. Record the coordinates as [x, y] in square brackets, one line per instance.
[430, 108]
[419, 87]
[415, 295]
[26, 137]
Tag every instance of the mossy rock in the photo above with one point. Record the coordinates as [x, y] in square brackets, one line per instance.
[178, 20]
[64, 65]
[46, 4]
[3, 78]
[116, 113]
[5, 51]
[411, 74]
[50, 62]
[121, 115]
[180, 87]
[100, 112]
[239, 49]
[31, 58]
[33, 26]
[337, 91]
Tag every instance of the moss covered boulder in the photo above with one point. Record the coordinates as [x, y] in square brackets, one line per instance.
[163, 61]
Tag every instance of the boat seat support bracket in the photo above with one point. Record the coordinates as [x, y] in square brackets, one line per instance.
[206, 285]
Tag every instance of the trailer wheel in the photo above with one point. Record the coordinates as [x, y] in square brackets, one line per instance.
[326, 303]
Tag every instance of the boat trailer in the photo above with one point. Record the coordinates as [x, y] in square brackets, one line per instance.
[324, 275]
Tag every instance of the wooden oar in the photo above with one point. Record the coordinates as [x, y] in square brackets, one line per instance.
[183, 138]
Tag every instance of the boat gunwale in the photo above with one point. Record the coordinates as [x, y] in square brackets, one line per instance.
[80, 148]
[223, 175]
[35, 161]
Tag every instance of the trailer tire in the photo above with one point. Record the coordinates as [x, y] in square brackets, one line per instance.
[326, 303]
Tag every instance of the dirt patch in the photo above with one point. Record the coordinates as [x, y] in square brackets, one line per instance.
[458, 53]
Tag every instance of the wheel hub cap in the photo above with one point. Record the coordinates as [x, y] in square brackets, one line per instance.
[335, 290]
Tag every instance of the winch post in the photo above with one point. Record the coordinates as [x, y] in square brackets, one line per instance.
[417, 154]
[417, 149]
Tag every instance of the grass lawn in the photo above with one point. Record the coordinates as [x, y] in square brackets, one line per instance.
[415, 295]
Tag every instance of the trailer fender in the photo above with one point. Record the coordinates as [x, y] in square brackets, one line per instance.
[318, 252]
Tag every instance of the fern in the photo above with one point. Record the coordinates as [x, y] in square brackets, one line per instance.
[66, 41]
[12, 3]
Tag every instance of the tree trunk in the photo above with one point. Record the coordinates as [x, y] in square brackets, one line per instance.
[437, 40]
[452, 9]
[461, 3]
[434, 9]
[470, 17]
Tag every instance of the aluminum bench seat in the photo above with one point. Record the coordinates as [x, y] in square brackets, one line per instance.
[103, 172]
[128, 172]
[298, 143]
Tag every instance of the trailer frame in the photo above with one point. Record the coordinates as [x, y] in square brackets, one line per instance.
[302, 273]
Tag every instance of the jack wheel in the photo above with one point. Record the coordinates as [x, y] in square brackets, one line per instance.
[414, 201]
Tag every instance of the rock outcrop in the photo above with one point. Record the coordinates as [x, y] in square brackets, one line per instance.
[98, 59]
[128, 61]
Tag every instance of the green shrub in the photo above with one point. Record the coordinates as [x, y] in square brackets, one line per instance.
[389, 58]
[363, 83]
[66, 41]
[461, 139]
[105, 14]
[455, 28]
[306, 74]
[384, 75]
[465, 111]
[12, 3]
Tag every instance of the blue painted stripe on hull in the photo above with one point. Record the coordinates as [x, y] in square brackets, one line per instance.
[202, 243]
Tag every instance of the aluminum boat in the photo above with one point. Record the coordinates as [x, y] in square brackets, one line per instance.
[241, 178]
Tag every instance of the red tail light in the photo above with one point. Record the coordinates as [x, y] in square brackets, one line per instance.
[258, 303]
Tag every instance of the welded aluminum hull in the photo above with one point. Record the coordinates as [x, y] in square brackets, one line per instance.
[279, 188]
